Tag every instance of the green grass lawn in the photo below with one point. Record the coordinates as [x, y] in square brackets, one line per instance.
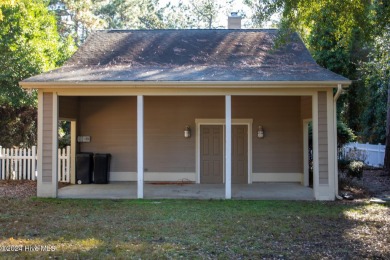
[193, 229]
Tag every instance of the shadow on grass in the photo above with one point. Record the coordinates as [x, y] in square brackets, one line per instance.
[194, 229]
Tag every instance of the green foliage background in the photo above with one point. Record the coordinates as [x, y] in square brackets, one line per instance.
[18, 126]
[29, 45]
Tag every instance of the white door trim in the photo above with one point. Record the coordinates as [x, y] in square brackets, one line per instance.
[246, 121]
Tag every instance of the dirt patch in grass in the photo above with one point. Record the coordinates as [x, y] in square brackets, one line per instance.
[18, 189]
[21, 188]
[374, 183]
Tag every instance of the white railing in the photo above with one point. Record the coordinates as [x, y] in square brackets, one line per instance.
[21, 164]
[374, 153]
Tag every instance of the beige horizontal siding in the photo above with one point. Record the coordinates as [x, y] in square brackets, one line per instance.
[166, 149]
[280, 151]
[323, 138]
[47, 129]
[111, 123]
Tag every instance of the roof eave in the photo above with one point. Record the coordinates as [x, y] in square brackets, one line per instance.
[183, 84]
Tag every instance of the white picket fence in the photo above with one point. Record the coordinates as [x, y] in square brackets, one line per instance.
[21, 164]
[64, 164]
[374, 153]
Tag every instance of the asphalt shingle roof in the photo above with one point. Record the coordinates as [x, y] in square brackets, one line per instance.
[189, 55]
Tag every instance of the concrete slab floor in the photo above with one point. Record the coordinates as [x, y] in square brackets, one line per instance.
[128, 190]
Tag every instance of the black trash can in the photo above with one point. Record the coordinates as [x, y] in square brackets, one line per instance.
[102, 168]
[84, 168]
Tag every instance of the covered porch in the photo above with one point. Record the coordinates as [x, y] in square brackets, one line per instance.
[144, 133]
[128, 190]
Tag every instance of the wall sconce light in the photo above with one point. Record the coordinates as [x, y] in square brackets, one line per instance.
[187, 131]
[260, 132]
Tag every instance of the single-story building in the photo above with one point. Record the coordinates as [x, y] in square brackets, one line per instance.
[207, 106]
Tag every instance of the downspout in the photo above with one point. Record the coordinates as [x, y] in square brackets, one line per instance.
[336, 175]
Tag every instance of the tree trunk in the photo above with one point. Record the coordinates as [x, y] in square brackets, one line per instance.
[387, 151]
[77, 36]
[210, 22]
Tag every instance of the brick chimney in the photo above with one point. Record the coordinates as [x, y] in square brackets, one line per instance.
[234, 21]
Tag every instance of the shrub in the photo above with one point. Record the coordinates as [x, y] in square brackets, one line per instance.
[351, 164]
[355, 169]
[349, 159]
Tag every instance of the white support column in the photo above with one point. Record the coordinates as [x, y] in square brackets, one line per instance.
[228, 147]
[55, 146]
[140, 147]
[73, 145]
[40, 185]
